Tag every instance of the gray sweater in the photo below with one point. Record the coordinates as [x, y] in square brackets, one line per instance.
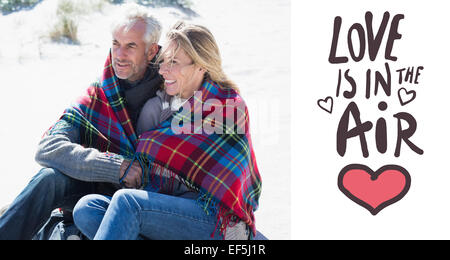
[155, 111]
[62, 151]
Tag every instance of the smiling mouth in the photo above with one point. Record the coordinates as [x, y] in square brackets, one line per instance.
[122, 64]
[169, 82]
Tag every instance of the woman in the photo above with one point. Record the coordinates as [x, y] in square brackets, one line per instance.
[200, 180]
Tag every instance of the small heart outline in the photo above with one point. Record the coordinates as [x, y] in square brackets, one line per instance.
[403, 92]
[321, 101]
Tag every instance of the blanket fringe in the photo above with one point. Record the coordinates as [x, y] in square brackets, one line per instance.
[159, 178]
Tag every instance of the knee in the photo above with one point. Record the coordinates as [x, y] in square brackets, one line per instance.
[48, 178]
[81, 210]
[125, 198]
[90, 203]
[122, 196]
[88, 213]
[48, 174]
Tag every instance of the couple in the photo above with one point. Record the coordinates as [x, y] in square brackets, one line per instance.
[114, 159]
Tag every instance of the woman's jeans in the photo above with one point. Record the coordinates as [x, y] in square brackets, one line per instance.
[47, 190]
[132, 214]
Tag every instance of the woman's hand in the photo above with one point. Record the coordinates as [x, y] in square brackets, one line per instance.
[133, 179]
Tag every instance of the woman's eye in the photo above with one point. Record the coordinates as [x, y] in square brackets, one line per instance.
[168, 62]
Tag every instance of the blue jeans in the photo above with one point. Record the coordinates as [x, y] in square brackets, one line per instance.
[131, 213]
[47, 190]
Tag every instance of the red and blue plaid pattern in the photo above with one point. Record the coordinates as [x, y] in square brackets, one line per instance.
[222, 166]
[101, 117]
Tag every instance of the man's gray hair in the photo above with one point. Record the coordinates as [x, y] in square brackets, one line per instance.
[134, 13]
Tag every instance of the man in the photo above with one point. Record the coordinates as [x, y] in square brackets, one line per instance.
[72, 168]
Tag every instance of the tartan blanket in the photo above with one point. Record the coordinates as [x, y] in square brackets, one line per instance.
[206, 144]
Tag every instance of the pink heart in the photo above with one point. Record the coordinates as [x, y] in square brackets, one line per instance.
[374, 190]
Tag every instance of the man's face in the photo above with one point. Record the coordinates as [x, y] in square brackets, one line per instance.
[129, 53]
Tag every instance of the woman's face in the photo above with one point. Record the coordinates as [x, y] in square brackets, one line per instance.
[181, 75]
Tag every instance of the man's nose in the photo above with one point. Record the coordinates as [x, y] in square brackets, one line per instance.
[120, 53]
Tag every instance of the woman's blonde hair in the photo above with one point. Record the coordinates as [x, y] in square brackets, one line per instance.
[200, 45]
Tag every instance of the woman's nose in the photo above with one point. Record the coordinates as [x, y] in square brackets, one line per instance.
[163, 68]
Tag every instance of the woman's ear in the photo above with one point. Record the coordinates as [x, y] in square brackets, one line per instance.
[201, 72]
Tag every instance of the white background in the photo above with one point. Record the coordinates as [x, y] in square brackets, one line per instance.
[319, 209]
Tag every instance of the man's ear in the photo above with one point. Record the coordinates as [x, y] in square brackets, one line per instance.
[152, 51]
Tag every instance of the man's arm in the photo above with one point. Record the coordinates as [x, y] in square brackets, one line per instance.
[62, 151]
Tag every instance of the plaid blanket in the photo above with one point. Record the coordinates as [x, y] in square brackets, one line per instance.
[211, 151]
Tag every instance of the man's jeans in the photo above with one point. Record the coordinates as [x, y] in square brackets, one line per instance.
[47, 190]
[131, 213]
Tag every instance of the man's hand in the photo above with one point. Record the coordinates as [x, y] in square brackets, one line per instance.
[133, 178]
